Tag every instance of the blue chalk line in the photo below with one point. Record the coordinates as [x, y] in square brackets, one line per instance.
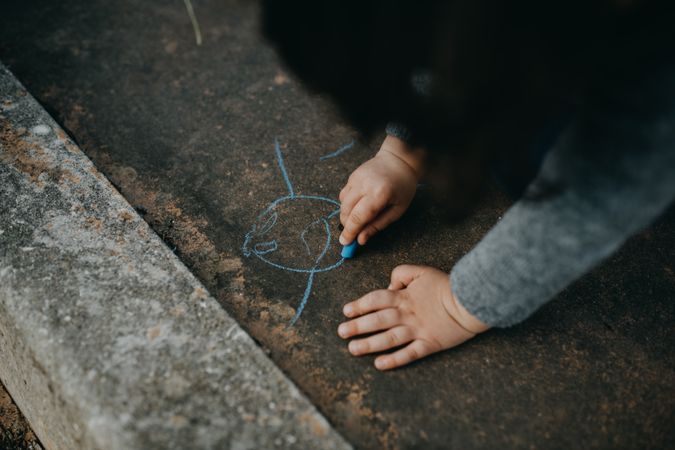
[310, 280]
[337, 152]
[282, 167]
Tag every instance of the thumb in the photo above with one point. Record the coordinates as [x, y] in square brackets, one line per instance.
[403, 275]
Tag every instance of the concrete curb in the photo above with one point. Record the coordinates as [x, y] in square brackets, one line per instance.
[107, 341]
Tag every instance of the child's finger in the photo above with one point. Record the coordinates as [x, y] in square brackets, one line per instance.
[370, 302]
[346, 205]
[379, 320]
[363, 212]
[381, 222]
[415, 350]
[391, 338]
[343, 193]
[403, 275]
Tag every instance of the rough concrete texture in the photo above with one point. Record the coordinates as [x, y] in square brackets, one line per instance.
[106, 340]
[187, 134]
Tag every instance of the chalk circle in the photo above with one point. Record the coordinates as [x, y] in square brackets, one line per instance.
[295, 233]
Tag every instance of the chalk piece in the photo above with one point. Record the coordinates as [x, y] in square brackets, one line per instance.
[348, 251]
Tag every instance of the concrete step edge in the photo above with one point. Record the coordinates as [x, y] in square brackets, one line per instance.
[107, 341]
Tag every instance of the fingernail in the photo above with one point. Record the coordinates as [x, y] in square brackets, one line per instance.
[347, 310]
[342, 330]
[343, 241]
[380, 364]
[353, 348]
[390, 287]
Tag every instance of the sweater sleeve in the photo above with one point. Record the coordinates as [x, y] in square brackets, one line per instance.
[609, 175]
[398, 130]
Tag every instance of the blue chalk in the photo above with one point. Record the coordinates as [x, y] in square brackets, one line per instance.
[348, 251]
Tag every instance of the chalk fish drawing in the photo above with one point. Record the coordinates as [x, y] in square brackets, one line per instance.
[301, 245]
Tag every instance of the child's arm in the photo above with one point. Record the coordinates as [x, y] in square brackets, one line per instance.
[380, 190]
[608, 176]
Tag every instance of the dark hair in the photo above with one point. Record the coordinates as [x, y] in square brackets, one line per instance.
[500, 69]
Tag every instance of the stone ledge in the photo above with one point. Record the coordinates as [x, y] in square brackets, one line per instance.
[107, 341]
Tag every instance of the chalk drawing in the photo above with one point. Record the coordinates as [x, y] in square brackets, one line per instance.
[273, 244]
[338, 152]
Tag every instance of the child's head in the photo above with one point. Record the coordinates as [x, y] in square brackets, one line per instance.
[359, 52]
[487, 56]
[501, 69]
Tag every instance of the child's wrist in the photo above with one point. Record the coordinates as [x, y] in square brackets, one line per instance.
[413, 157]
[463, 317]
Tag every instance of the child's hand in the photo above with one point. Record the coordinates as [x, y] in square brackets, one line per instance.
[418, 309]
[379, 191]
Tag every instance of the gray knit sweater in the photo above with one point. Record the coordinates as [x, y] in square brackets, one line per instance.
[609, 175]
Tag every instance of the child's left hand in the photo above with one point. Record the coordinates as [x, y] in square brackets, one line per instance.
[418, 309]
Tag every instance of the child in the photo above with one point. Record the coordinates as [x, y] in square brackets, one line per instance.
[502, 76]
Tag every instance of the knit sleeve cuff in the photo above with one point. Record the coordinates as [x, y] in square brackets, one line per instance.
[399, 131]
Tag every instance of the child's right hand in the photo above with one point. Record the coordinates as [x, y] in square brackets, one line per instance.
[380, 190]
